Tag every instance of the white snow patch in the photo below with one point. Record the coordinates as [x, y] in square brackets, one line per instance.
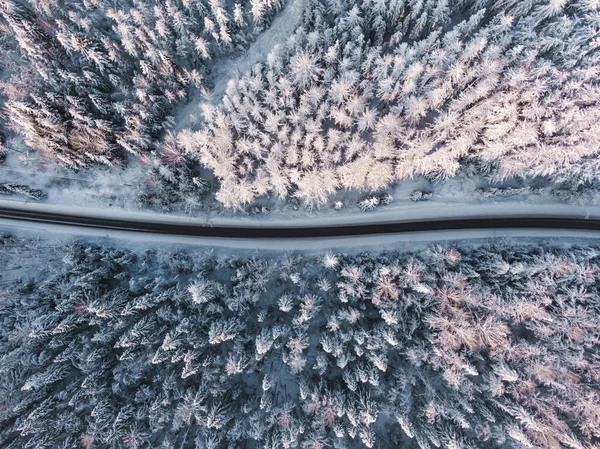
[101, 187]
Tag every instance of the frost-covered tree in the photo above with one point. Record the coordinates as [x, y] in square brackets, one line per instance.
[365, 94]
[485, 346]
[91, 82]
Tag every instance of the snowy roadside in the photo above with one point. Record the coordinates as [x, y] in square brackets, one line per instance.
[401, 213]
[114, 193]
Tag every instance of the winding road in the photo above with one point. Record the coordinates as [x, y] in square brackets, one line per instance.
[256, 231]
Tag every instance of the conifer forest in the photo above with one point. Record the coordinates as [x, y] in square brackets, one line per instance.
[345, 95]
[489, 346]
[438, 160]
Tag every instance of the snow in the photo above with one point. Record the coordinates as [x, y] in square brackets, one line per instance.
[225, 70]
[73, 201]
[105, 187]
[130, 312]
[113, 192]
[405, 242]
[433, 210]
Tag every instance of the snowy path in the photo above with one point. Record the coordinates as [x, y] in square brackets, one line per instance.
[280, 29]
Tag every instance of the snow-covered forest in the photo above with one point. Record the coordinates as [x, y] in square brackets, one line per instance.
[89, 80]
[361, 95]
[459, 346]
[228, 110]
[366, 93]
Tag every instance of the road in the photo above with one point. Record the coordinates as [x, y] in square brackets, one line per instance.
[165, 227]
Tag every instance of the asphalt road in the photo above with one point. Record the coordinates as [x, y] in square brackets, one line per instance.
[290, 232]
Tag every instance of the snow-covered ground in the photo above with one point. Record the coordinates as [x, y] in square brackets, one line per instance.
[434, 210]
[113, 193]
[99, 187]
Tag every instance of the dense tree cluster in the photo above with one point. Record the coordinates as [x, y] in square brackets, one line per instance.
[363, 94]
[369, 92]
[454, 347]
[91, 80]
